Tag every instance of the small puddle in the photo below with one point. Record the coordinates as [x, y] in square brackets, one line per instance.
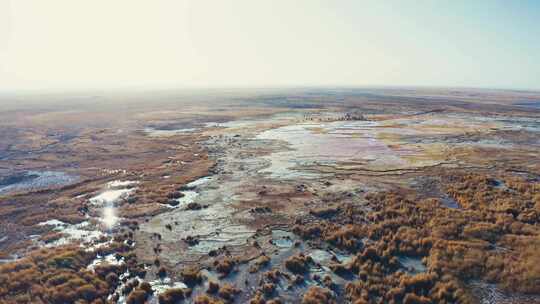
[158, 286]
[321, 256]
[83, 232]
[200, 181]
[412, 265]
[282, 238]
[449, 202]
[190, 192]
[497, 184]
[161, 285]
[343, 257]
[107, 259]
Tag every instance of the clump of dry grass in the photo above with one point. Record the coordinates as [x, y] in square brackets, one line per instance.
[56, 276]
[318, 295]
[172, 296]
[259, 263]
[205, 299]
[225, 266]
[228, 292]
[191, 276]
[298, 263]
[456, 245]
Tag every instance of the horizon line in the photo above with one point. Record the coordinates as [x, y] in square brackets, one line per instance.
[168, 88]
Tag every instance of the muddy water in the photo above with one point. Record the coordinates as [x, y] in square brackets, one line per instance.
[216, 224]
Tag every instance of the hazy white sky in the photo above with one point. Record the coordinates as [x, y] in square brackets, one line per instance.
[65, 44]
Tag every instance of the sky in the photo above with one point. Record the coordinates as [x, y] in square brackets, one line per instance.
[80, 44]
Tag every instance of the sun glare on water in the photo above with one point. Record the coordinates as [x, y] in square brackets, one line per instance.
[109, 217]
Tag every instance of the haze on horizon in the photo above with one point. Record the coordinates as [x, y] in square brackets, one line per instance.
[65, 44]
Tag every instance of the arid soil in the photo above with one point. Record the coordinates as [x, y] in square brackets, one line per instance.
[299, 196]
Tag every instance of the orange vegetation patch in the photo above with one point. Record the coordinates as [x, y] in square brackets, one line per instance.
[56, 276]
[494, 237]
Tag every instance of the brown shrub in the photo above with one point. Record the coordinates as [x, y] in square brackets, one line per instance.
[298, 279]
[112, 278]
[162, 272]
[298, 263]
[484, 231]
[205, 299]
[308, 231]
[347, 237]
[171, 296]
[259, 263]
[420, 283]
[327, 281]
[412, 298]
[324, 212]
[523, 274]
[318, 295]
[191, 276]
[225, 266]
[55, 275]
[137, 296]
[213, 287]
[340, 269]
[272, 275]
[228, 291]
[87, 292]
[146, 287]
[258, 298]
[268, 289]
